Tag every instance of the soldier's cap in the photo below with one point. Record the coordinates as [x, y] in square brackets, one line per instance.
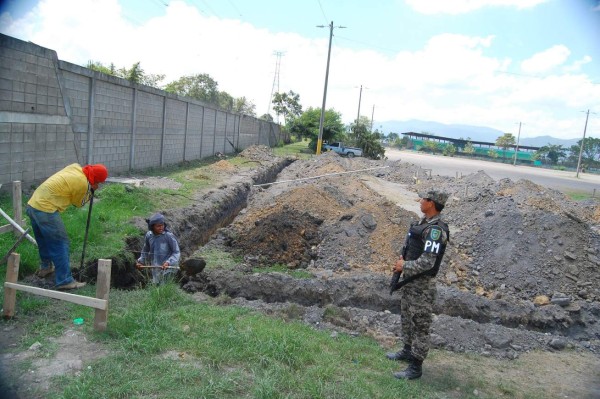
[439, 197]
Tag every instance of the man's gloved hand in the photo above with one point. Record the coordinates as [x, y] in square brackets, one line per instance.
[138, 265]
[165, 265]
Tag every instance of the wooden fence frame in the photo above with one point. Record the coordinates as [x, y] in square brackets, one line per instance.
[100, 303]
[16, 225]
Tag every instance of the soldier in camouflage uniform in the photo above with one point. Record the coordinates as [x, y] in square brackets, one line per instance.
[420, 262]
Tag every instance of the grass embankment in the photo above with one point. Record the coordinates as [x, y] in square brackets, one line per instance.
[163, 344]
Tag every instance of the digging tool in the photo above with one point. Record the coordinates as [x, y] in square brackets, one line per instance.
[87, 228]
[16, 226]
[21, 238]
[158, 267]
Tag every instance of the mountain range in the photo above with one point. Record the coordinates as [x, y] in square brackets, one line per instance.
[475, 133]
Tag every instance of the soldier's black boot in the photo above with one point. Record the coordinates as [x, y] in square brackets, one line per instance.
[405, 354]
[412, 372]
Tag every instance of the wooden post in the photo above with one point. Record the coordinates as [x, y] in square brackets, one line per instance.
[17, 207]
[10, 294]
[102, 291]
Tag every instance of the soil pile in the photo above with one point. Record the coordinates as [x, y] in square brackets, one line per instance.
[520, 255]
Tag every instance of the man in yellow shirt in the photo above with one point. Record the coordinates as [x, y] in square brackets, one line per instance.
[73, 185]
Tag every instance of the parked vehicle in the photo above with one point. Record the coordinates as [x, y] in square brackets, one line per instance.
[350, 152]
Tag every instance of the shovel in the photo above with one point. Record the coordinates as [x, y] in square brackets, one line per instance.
[158, 267]
[87, 228]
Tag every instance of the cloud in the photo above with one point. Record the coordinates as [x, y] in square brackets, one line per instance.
[451, 79]
[455, 7]
[576, 65]
[546, 60]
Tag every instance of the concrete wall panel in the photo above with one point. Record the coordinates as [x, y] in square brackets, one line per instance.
[53, 113]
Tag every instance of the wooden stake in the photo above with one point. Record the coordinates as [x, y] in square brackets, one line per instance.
[102, 291]
[10, 294]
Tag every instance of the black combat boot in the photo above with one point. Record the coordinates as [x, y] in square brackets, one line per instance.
[412, 372]
[405, 354]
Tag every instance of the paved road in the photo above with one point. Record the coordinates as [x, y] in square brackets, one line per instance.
[450, 166]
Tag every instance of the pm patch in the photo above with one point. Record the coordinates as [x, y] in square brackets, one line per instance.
[433, 241]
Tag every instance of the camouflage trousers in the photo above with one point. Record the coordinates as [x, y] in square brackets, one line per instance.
[416, 307]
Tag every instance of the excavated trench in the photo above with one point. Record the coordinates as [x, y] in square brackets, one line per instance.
[359, 303]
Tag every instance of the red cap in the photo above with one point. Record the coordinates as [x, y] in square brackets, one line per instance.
[95, 173]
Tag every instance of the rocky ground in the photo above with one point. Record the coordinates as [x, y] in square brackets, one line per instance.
[520, 272]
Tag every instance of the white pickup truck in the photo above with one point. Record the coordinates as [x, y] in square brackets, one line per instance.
[350, 152]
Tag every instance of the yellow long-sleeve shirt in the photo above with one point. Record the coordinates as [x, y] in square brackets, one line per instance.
[68, 186]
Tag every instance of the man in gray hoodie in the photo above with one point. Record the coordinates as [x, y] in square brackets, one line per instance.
[160, 249]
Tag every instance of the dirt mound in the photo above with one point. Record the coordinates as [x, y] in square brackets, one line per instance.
[258, 153]
[287, 237]
[223, 166]
[511, 242]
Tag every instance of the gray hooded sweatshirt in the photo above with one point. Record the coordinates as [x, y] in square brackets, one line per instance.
[159, 248]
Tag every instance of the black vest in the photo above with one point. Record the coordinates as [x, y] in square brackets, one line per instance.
[415, 244]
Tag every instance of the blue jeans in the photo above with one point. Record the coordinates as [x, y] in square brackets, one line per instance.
[53, 243]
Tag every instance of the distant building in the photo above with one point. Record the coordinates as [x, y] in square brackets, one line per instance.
[482, 148]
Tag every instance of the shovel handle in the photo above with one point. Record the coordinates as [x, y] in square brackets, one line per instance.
[157, 267]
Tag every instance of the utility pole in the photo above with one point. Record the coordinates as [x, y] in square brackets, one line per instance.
[517, 149]
[372, 113]
[582, 142]
[322, 120]
[358, 114]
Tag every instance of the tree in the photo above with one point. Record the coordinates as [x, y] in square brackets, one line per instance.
[430, 146]
[201, 87]
[135, 74]
[242, 105]
[225, 101]
[287, 104]
[551, 152]
[469, 149]
[370, 143]
[97, 66]
[307, 125]
[505, 141]
[449, 150]
[591, 150]
[393, 139]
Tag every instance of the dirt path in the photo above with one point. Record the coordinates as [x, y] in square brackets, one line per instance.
[451, 166]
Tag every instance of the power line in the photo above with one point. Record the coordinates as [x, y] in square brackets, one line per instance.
[322, 11]
[235, 8]
[322, 120]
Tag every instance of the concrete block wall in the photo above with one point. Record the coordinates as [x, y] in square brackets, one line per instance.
[54, 113]
[35, 132]
[194, 132]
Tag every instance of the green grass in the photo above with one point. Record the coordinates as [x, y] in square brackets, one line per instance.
[299, 149]
[113, 208]
[297, 273]
[218, 259]
[579, 196]
[164, 345]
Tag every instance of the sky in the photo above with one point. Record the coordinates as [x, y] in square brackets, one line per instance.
[492, 63]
